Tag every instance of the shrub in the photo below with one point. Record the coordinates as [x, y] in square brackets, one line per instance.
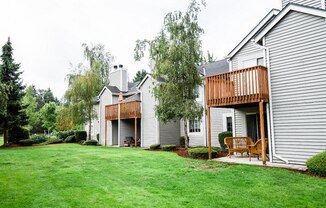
[98, 137]
[70, 139]
[155, 146]
[201, 153]
[64, 134]
[221, 137]
[169, 147]
[53, 140]
[90, 142]
[182, 141]
[39, 138]
[317, 164]
[16, 134]
[80, 135]
[81, 142]
[26, 142]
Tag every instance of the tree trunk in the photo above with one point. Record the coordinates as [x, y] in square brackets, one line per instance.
[90, 129]
[5, 137]
[185, 128]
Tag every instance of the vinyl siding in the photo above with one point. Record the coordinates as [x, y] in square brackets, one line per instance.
[169, 133]
[248, 50]
[105, 99]
[240, 123]
[312, 3]
[217, 123]
[298, 82]
[148, 120]
[127, 129]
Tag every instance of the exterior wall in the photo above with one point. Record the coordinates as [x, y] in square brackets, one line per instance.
[169, 133]
[95, 124]
[241, 120]
[247, 52]
[218, 123]
[149, 130]
[312, 3]
[127, 129]
[105, 99]
[298, 82]
[114, 127]
[119, 78]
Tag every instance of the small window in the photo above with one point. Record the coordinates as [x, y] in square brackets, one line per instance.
[229, 124]
[194, 126]
[197, 92]
[260, 62]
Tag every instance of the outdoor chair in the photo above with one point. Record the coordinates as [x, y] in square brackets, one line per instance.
[256, 149]
[238, 144]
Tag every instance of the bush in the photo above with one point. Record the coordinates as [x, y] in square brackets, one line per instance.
[26, 142]
[64, 134]
[39, 138]
[53, 140]
[221, 137]
[80, 135]
[201, 153]
[90, 142]
[317, 164]
[70, 139]
[16, 134]
[182, 141]
[155, 146]
[81, 142]
[98, 137]
[169, 147]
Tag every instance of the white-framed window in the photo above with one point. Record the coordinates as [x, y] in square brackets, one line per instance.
[197, 92]
[194, 126]
[260, 62]
[229, 123]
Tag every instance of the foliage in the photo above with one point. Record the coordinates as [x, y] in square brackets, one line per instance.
[182, 141]
[64, 122]
[30, 101]
[169, 147]
[80, 135]
[221, 137]
[26, 142]
[70, 139]
[90, 142]
[98, 137]
[49, 115]
[317, 164]
[155, 146]
[53, 140]
[176, 52]
[18, 133]
[201, 153]
[209, 58]
[140, 75]
[12, 86]
[75, 176]
[3, 99]
[39, 138]
[64, 134]
[81, 142]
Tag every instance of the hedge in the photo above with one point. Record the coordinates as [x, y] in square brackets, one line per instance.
[53, 140]
[26, 142]
[16, 134]
[201, 153]
[155, 146]
[64, 134]
[39, 138]
[182, 141]
[70, 139]
[90, 142]
[80, 135]
[169, 147]
[317, 164]
[221, 137]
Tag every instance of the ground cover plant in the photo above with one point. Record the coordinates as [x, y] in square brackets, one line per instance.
[72, 175]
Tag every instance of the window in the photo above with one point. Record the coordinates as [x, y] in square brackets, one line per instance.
[197, 92]
[194, 126]
[229, 124]
[260, 61]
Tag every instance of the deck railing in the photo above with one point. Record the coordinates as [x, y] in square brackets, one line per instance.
[129, 109]
[242, 86]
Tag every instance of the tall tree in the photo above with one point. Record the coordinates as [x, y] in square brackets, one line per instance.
[176, 52]
[3, 99]
[10, 76]
[49, 115]
[63, 121]
[140, 75]
[30, 101]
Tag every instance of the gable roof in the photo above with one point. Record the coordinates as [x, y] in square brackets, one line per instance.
[132, 88]
[290, 7]
[254, 31]
[214, 68]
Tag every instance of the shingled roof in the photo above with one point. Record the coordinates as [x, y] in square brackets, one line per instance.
[214, 68]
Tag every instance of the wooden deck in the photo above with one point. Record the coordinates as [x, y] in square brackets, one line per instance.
[128, 110]
[240, 87]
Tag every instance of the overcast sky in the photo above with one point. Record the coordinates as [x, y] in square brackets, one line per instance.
[47, 35]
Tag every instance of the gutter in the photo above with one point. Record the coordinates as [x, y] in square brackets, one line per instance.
[271, 127]
[204, 101]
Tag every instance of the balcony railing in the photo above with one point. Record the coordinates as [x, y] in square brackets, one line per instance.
[242, 86]
[128, 110]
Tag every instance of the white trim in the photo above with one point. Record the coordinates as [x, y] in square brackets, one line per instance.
[272, 13]
[287, 9]
[143, 81]
[224, 121]
[249, 57]
[323, 4]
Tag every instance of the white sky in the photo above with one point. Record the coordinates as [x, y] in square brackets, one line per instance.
[47, 35]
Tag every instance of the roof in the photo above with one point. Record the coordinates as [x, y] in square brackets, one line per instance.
[290, 7]
[132, 88]
[214, 68]
[160, 79]
[262, 24]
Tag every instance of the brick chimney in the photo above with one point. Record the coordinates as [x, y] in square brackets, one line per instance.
[119, 78]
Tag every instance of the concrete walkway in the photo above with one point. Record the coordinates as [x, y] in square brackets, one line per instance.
[245, 160]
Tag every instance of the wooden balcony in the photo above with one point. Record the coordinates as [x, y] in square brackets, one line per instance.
[128, 110]
[240, 87]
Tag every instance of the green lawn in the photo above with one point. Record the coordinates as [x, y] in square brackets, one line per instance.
[71, 175]
[1, 140]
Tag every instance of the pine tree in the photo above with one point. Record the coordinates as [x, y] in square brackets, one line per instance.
[15, 117]
[140, 75]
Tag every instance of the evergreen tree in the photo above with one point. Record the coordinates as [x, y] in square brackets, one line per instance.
[140, 75]
[10, 76]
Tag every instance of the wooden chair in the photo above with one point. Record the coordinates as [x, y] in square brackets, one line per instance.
[256, 149]
[237, 144]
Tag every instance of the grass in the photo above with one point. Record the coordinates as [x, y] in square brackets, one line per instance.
[70, 175]
[1, 140]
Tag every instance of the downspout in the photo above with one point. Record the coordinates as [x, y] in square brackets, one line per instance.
[141, 120]
[233, 110]
[204, 104]
[272, 140]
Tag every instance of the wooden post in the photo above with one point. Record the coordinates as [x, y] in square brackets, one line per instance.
[136, 132]
[209, 133]
[262, 131]
[106, 131]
